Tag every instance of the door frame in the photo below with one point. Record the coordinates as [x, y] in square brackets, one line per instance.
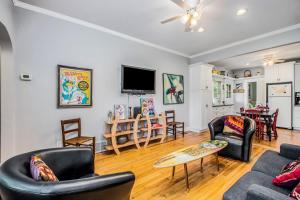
[292, 95]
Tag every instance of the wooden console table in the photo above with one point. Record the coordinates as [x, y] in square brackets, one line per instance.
[138, 130]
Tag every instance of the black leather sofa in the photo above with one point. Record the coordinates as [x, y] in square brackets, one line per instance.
[257, 184]
[74, 167]
[238, 147]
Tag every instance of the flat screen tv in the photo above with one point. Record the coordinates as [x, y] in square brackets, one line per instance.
[137, 80]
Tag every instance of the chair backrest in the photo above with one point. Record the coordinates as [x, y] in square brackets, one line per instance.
[170, 116]
[253, 114]
[70, 123]
[16, 181]
[274, 125]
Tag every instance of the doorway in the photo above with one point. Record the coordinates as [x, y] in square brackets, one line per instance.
[6, 67]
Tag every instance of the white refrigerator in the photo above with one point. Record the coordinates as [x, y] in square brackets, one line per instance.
[279, 95]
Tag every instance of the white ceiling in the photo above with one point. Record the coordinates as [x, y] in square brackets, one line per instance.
[141, 19]
[255, 59]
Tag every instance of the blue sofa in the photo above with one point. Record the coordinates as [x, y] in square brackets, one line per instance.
[257, 184]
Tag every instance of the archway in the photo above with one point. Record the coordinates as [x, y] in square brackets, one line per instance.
[6, 61]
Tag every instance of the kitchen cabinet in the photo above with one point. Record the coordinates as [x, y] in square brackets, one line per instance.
[200, 99]
[222, 90]
[218, 88]
[200, 77]
[283, 72]
[228, 91]
[219, 111]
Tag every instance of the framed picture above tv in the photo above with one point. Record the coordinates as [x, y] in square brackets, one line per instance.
[173, 89]
[74, 87]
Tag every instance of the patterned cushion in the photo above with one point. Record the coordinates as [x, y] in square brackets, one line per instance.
[40, 171]
[289, 176]
[234, 125]
[295, 194]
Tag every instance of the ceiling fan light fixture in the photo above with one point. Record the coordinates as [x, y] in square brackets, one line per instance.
[185, 18]
[201, 29]
[241, 12]
[193, 22]
[195, 15]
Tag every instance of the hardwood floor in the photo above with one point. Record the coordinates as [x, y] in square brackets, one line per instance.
[155, 184]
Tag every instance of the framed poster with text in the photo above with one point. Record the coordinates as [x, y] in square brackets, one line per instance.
[74, 87]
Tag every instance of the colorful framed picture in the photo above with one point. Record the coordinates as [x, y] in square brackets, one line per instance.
[74, 87]
[173, 89]
[147, 106]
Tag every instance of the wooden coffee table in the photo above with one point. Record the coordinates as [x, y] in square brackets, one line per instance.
[191, 153]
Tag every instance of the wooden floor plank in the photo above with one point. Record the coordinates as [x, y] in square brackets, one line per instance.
[157, 184]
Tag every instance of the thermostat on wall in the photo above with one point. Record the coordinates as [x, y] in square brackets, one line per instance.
[26, 77]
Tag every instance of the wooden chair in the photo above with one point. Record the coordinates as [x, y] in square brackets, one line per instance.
[173, 126]
[77, 140]
[255, 115]
[274, 125]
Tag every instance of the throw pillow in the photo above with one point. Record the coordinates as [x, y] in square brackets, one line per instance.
[295, 194]
[40, 171]
[289, 176]
[234, 125]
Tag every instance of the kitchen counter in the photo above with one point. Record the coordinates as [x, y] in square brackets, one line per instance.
[224, 105]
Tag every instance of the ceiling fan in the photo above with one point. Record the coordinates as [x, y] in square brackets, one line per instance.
[269, 60]
[193, 12]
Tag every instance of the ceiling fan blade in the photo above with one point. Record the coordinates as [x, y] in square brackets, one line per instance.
[171, 19]
[181, 4]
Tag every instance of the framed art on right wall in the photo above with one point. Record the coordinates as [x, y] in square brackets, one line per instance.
[173, 89]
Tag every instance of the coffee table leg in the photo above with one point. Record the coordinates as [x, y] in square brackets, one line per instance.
[186, 177]
[201, 165]
[217, 159]
[173, 172]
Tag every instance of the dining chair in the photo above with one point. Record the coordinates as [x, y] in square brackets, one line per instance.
[71, 136]
[274, 125]
[173, 127]
[255, 115]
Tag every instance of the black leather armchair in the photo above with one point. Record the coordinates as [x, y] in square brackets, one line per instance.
[74, 167]
[238, 148]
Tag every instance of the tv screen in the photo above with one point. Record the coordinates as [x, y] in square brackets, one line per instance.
[138, 80]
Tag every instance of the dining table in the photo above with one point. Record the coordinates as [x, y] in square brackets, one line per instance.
[267, 117]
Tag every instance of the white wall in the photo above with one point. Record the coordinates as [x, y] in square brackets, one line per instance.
[43, 42]
[8, 95]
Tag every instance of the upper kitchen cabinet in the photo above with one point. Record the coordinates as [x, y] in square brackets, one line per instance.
[283, 72]
[228, 90]
[201, 77]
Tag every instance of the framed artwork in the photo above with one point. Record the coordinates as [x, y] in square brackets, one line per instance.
[173, 89]
[74, 87]
[120, 111]
[147, 106]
